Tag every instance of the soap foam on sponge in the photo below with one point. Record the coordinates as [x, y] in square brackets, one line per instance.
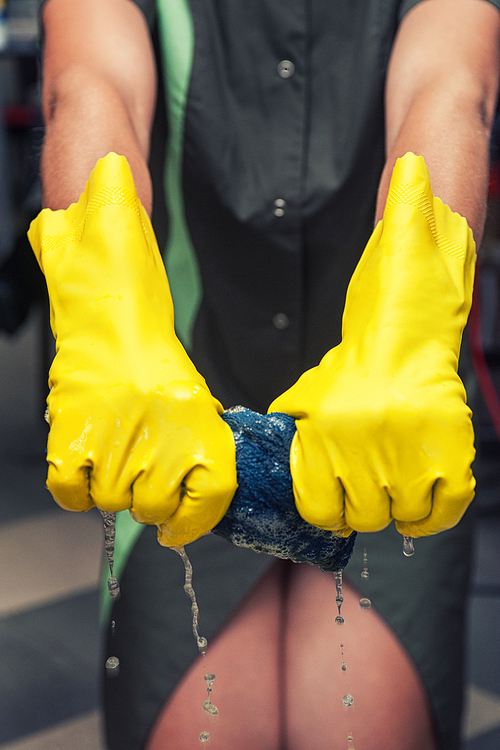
[262, 514]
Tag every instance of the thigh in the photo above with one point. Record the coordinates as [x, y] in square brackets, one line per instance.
[390, 708]
[245, 658]
[153, 637]
[423, 599]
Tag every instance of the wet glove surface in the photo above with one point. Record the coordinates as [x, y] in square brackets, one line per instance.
[262, 514]
[132, 423]
[383, 429]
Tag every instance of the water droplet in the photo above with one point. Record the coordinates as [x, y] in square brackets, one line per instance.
[365, 603]
[112, 666]
[339, 620]
[348, 700]
[209, 707]
[349, 738]
[202, 643]
[408, 548]
[344, 666]
[113, 587]
[113, 627]
[364, 573]
[204, 736]
[209, 677]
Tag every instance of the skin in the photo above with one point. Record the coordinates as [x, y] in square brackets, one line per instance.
[99, 93]
[279, 681]
[100, 87]
[440, 100]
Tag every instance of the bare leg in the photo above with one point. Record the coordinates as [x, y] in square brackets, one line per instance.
[245, 658]
[390, 709]
[279, 680]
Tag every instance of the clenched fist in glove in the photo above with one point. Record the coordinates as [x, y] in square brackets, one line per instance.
[383, 429]
[132, 423]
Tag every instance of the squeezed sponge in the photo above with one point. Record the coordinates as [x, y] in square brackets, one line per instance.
[262, 514]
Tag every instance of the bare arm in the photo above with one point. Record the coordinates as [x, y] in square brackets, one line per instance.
[440, 100]
[99, 87]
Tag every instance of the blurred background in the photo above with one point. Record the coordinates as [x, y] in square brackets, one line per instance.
[50, 560]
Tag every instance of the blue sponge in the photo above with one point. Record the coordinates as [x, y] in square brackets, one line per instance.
[262, 515]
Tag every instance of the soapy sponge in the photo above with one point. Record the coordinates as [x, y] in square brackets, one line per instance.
[262, 514]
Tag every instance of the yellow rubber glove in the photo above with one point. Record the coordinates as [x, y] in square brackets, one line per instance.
[132, 423]
[383, 429]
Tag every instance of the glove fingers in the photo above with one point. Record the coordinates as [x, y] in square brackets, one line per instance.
[69, 470]
[79, 475]
[322, 503]
[205, 497]
[422, 486]
[158, 491]
[413, 502]
[76, 485]
[69, 486]
[111, 492]
[413, 468]
[450, 500]
[453, 482]
[286, 403]
[367, 504]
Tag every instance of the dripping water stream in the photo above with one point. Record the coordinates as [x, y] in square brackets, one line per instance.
[365, 573]
[188, 588]
[108, 519]
[113, 663]
[339, 596]
[364, 603]
[201, 642]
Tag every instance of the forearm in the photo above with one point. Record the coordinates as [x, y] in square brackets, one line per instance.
[453, 137]
[441, 94]
[83, 129]
[98, 94]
